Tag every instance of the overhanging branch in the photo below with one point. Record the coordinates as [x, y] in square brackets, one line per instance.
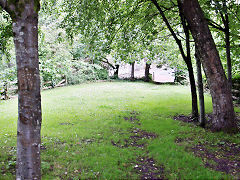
[215, 25]
[178, 41]
[107, 62]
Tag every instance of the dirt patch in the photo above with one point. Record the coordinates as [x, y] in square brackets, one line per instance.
[135, 138]
[183, 118]
[222, 156]
[225, 159]
[133, 118]
[148, 169]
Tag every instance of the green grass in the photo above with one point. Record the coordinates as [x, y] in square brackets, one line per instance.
[79, 123]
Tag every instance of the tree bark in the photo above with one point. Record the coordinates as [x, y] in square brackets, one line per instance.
[193, 89]
[132, 71]
[223, 111]
[147, 69]
[202, 119]
[24, 14]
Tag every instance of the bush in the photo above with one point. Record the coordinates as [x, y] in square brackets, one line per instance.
[81, 72]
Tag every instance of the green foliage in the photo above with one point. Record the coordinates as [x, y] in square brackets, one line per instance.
[5, 34]
[216, 11]
[82, 71]
[9, 74]
[62, 58]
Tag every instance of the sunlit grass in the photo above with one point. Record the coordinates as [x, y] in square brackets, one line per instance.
[79, 123]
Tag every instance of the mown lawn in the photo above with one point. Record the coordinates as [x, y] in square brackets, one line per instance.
[92, 131]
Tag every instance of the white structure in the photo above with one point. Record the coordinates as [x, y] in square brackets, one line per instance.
[162, 74]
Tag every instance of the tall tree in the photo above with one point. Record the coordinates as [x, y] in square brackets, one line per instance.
[223, 111]
[24, 14]
[186, 56]
[202, 118]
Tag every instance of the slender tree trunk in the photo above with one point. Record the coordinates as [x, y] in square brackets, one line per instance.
[186, 58]
[202, 119]
[24, 14]
[225, 19]
[116, 71]
[132, 71]
[147, 69]
[193, 90]
[224, 116]
[228, 52]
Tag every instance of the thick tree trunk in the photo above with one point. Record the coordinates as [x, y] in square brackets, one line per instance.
[29, 100]
[224, 116]
[24, 14]
[147, 70]
[202, 119]
[132, 71]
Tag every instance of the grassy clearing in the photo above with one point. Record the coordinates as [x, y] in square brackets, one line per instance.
[80, 122]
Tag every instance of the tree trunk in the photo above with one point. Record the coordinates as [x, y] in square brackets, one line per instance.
[24, 14]
[193, 89]
[202, 119]
[132, 71]
[147, 69]
[29, 102]
[228, 53]
[186, 58]
[116, 71]
[224, 116]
